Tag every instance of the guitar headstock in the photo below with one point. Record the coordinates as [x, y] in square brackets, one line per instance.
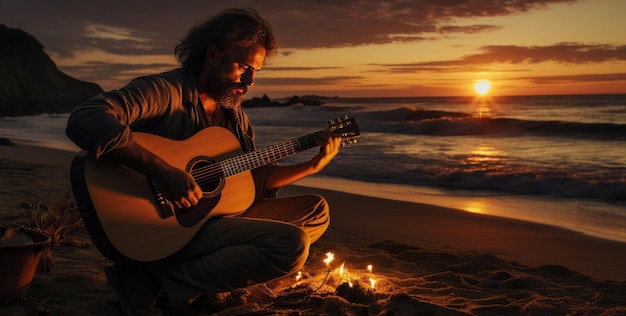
[346, 128]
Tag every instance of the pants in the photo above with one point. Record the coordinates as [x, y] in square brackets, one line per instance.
[269, 240]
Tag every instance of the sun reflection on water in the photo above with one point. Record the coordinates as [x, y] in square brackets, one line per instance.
[484, 158]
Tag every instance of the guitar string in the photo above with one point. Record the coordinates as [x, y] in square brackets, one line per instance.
[216, 170]
[270, 154]
[253, 159]
[234, 165]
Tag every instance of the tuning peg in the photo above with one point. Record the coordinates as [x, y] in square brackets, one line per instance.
[347, 142]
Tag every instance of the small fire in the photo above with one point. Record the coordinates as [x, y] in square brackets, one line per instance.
[298, 276]
[329, 257]
[372, 282]
[344, 276]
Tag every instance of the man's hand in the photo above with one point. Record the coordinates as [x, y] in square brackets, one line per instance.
[178, 187]
[329, 147]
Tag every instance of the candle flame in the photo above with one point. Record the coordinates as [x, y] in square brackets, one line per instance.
[329, 257]
[372, 282]
[299, 276]
[369, 268]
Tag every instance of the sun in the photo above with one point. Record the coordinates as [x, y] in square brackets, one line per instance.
[482, 86]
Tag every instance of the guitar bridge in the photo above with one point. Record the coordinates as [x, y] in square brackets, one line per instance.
[163, 205]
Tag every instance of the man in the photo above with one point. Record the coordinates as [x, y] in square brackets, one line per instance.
[271, 239]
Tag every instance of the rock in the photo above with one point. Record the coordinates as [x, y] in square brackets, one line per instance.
[265, 101]
[31, 82]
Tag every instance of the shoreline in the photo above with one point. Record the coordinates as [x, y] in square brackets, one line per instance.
[535, 209]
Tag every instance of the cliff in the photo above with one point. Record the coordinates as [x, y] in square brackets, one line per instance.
[30, 82]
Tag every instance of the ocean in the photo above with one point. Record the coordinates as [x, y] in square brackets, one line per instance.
[557, 160]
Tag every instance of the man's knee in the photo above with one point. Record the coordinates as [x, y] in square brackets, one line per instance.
[319, 219]
[296, 248]
[322, 209]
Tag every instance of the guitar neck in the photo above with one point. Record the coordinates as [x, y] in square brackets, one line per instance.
[345, 128]
[270, 154]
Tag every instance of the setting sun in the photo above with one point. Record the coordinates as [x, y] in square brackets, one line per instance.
[482, 86]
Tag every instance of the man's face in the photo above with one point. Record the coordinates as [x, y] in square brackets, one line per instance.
[234, 75]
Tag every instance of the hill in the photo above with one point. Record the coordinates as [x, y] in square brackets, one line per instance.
[30, 82]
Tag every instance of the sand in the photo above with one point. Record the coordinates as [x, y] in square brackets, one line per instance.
[426, 259]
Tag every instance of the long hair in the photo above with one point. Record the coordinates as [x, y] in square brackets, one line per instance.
[227, 30]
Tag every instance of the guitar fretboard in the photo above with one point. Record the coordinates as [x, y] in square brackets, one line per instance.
[267, 155]
[261, 157]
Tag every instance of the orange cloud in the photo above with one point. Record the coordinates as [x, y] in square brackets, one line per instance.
[566, 53]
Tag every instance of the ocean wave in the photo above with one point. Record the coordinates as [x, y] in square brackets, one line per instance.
[520, 180]
[443, 123]
[535, 184]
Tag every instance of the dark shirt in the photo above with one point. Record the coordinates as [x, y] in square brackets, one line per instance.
[167, 105]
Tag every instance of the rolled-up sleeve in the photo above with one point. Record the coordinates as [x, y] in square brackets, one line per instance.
[260, 180]
[94, 127]
[103, 123]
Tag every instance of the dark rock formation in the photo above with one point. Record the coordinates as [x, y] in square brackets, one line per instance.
[257, 102]
[265, 101]
[30, 82]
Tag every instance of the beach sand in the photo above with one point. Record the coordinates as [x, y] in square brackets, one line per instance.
[426, 259]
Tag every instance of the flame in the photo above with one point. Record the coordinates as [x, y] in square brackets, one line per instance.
[372, 282]
[299, 276]
[369, 268]
[329, 257]
[341, 271]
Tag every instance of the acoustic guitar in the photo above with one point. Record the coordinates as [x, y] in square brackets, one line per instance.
[128, 217]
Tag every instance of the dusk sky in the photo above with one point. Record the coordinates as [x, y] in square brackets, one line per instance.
[363, 48]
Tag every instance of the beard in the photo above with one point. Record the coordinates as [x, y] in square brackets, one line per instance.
[227, 94]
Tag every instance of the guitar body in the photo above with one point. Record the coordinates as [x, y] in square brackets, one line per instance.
[124, 212]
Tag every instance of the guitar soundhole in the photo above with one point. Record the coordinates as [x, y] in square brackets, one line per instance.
[208, 175]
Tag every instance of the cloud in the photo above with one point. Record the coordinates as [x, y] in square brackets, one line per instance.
[123, 41]
[315, 24]
[95, 71]
[467, 29]
[564, 53]
[575, 78]
[156, 26]
[274, 68]
[301, 81]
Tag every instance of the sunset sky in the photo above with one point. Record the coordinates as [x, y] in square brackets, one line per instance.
[363, 48]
